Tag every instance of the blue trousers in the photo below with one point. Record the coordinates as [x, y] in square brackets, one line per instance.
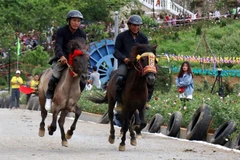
[15, 97]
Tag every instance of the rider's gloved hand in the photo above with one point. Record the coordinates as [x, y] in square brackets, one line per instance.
[126, 60]
[63, 60]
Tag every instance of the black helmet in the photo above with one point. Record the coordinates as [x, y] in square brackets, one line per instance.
[74, 14]
[135, 19]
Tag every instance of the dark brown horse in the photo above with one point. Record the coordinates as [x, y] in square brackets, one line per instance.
[142, 72]
[67, 92]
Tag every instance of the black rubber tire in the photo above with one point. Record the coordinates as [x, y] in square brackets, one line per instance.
[174, 124]
[198, 127]
[235, 143]
[222, 133]
[1, 102]
[7, 102]
[155, 123]
[104, 118]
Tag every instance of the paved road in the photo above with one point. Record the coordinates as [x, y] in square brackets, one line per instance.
[19, 140]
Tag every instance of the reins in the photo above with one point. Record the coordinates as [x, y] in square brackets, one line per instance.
[70, 68]
[69, 63]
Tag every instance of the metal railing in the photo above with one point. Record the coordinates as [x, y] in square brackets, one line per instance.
[166, 5]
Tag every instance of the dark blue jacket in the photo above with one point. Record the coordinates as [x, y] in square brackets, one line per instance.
[125, 42]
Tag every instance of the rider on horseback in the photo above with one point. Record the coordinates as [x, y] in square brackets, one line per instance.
[123, 45]
[63, 36]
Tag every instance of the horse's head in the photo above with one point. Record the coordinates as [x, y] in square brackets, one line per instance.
[79, 58]
[145, 61]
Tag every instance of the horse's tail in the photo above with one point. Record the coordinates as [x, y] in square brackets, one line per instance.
[98, 98]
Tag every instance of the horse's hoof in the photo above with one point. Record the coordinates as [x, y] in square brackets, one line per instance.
[121, 148]
[50, 132]
[133, 142]
[68, 136]
[111, 140]
[135, 127]
[139, 136]
[41, 133]
[65, 143]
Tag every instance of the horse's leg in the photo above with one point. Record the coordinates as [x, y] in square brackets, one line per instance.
[142, 124]
[61, 122]
[125, 125]
[42, 100]
[78, 112]
[132, 134]
[111, 137]
[52, 128]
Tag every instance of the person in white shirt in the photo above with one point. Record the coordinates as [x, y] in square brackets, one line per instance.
[217, 15]
[94, 78]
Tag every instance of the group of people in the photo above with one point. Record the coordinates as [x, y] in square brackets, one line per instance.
[28, 40]
[16, 83]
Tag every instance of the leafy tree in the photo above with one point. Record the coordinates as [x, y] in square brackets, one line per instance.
[36, 57]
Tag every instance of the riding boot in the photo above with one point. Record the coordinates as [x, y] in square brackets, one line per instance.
[82, 85]
[49, 94]
[120, 84]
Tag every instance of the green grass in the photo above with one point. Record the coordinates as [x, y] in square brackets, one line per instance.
[222, 40]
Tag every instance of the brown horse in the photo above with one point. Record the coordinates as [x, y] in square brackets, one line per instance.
[67, 92]
[142, 72]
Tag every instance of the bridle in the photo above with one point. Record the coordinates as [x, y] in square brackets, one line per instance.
[150, 67]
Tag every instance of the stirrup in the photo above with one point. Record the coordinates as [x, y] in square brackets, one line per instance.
[118, 107]
[147, 106]
[48, 104]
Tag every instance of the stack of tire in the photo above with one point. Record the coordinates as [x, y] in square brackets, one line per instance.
[1, 102]
[197, 129]
[33, 103]
[5, 101]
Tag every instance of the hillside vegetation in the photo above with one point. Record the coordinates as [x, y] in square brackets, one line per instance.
[222, 38]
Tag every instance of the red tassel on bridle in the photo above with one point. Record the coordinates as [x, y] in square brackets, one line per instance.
[70, 60]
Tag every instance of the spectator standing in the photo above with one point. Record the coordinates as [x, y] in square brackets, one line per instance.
[16, 81]
[33, 85]
[217, 15]
[184, 81]
[94, 78]
[122, 26]
[174, 21]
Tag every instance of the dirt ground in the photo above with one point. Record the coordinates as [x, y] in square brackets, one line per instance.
[19, 140]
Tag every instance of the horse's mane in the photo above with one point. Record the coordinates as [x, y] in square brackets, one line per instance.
[140, 49]
[77, 43]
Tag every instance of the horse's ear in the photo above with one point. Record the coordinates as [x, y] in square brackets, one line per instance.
[155, 46]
